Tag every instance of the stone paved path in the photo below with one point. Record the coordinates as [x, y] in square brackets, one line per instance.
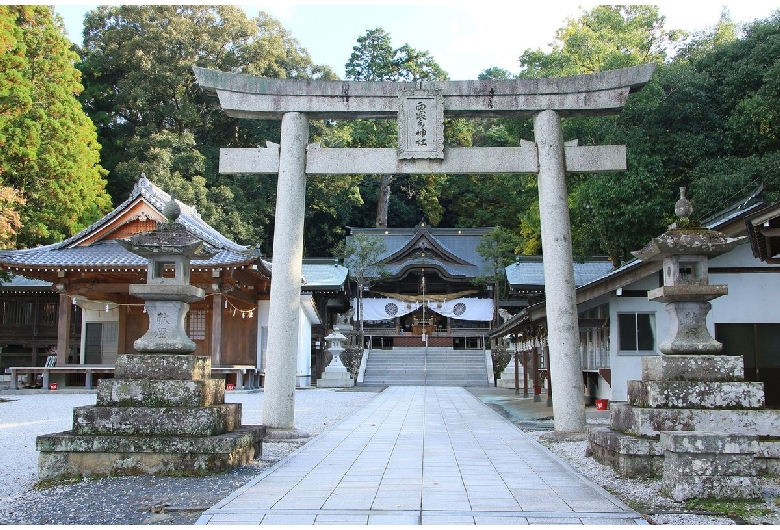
[422, 455]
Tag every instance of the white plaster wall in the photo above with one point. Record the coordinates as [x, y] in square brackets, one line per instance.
[303, 365]
[626, 367]
[262, 332]
[754, 298]
[92, 315]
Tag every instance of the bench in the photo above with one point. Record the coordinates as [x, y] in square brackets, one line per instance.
[47, 371]
[247, 376]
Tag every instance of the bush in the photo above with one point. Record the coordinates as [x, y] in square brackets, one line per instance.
[501, 358]
[350, 358]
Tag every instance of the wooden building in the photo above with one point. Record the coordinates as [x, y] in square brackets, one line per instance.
[92, 271]
[429, 290]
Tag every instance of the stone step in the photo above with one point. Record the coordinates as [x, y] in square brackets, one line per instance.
[435, 367]
[157, 421]
[160, 393]
[650, 422]
[65, 455]
[696, 394]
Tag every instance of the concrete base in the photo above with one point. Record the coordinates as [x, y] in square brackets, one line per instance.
[507, 377]
[161, 415]
[336, 379]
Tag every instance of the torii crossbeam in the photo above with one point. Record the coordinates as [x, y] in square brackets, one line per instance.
[420, 108]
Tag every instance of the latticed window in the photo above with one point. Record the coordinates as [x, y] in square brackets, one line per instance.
[48, 313]
[15, 312]
[196, 329]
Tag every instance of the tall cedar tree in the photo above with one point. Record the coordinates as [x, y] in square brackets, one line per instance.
[49, 153]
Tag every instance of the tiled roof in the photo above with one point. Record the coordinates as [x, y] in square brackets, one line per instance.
[460, 242]
[109, 253]
[157, 198]
[323, 274]
[531, 273]
[20, 282]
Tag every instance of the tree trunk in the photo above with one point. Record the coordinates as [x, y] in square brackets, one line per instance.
[383, 202]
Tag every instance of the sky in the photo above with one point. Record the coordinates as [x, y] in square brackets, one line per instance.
[465, 38]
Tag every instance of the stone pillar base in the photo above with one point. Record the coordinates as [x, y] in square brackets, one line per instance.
[335, 379]
[161, 415]
[709, 465]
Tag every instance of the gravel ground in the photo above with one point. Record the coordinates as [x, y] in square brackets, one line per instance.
[134, 500]
[162, 500]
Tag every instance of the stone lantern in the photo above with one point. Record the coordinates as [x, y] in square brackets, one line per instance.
[686, 290]
[162, 414]
[167, 296]
[692, 418]
[336, 374]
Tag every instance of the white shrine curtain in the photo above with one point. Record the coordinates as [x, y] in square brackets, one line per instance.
[479, 309]
[384, 308]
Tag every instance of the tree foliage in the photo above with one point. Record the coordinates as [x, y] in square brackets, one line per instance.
[375, 59]
[153, 118]
[49, 154]
[708, 119]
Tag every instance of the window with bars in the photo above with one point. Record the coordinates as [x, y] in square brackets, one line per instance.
[196, 328]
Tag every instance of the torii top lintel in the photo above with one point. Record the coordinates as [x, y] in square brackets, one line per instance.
[598, 94]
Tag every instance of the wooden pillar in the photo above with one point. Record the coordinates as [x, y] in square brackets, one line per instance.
[216, 329]
[535, 375]
[63, 329]
[122, 332]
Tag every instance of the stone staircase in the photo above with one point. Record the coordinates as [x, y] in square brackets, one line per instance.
[421, 367]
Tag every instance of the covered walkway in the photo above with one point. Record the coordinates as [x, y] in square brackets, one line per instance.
[422, 455]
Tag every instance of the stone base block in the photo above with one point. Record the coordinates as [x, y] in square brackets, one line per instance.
[629, 456]
[725, 488]
[161, 366]
[693, 368]
[507, 377]
[710, 465]
[768, 457]
[67, 455]
[159, 393]
[696, 394]
[335, 380]
[157, 421]
[650, 422]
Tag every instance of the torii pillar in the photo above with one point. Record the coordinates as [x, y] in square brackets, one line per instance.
[420, 108]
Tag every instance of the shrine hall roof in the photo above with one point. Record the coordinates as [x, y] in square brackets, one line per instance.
[453, 250]
[97, 247]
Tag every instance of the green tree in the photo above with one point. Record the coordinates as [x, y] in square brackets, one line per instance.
[362, 255]
[604, 38]
[50, 154]
[375, 59]
[137, 65]
[607, 37]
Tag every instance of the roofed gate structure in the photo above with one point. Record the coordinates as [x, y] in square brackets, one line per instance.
[420, 108]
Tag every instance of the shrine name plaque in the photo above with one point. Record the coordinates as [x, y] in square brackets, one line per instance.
[420, 124]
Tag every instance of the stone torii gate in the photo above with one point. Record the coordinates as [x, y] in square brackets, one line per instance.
[420, 108]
